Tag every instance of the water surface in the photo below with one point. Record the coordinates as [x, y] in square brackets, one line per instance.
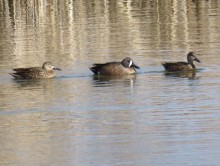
[151, 118]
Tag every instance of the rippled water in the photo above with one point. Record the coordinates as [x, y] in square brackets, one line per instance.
[151, 118]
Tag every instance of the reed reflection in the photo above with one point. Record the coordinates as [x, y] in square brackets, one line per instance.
[47, 29]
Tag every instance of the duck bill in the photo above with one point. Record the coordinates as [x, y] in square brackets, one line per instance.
[135, 66]
[56, 68]
[197, 60]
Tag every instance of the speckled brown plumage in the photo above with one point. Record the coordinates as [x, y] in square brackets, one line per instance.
[46, 71]
[182, 66]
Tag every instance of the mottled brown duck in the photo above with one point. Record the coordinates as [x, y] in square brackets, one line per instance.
[182, 66]
[46, 71]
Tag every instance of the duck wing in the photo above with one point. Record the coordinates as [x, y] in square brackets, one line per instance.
[26, 73]
[97, 67]
[174, 66]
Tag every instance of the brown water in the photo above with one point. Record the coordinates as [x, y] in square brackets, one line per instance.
[76, 119]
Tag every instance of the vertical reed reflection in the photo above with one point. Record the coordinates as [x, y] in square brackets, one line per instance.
[60, 30]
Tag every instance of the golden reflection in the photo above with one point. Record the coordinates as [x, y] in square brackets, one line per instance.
[69, 31]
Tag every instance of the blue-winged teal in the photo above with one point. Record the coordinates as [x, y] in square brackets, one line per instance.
[46, 71]
[125, 67]
[182, 66]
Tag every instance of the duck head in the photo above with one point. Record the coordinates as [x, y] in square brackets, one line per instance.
[128, 63]
[192, 57]
[49, 66]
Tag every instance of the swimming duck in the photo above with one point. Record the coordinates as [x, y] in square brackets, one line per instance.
[46, 71]
[125, 67]
[182, 66]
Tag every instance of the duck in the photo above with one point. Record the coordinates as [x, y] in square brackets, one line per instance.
[46, 71]
[182, 66]
[125, 67]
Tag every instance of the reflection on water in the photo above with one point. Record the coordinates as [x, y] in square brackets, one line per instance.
[152, 118]
[27, 94]
[69, 32]
[188, 74]
[127, 80]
